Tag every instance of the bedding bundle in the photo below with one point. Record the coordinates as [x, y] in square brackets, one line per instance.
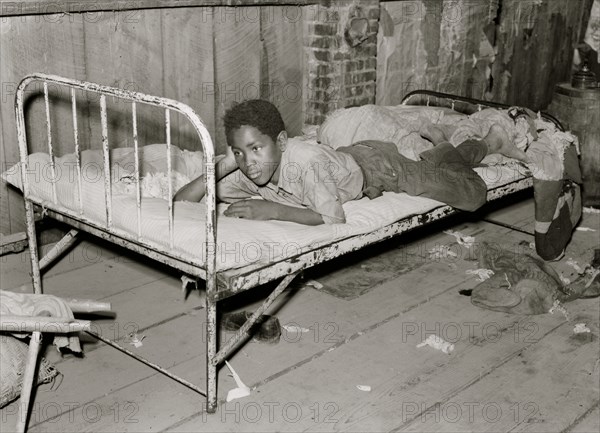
[552, 154]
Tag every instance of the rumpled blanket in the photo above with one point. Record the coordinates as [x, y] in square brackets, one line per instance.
[398, 125]
[27, 304]
[401, 124]
[522, 284]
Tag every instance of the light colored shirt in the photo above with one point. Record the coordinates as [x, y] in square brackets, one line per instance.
[312, 175]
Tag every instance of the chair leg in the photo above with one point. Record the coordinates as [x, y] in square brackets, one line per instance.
[211, 351]
[28, 377]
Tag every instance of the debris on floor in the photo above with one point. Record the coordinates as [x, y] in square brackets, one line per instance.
[365, 388]
[566, 281]
[580, 328]
[242, 389]
[560, 308]
[571, 262]
[441, 251]
[315, 284]
[437, 343]
[135, 340]
[187, 285]
[482, 274]
[463, 240]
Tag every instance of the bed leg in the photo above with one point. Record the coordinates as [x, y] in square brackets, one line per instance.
[33, 252]
[211, 351]
[28, 378]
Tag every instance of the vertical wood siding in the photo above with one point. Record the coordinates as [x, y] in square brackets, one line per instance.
[511, 51]
[207, 57]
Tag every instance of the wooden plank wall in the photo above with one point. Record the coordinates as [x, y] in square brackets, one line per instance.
[510, 51]
[207, 57]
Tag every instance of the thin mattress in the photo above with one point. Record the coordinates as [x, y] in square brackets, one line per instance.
[240, 242]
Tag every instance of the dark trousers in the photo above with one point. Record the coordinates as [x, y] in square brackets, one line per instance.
[444, 173]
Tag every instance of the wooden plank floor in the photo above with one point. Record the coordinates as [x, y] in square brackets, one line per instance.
[507, 372]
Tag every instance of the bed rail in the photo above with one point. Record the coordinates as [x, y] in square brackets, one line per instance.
[462, 104]
[135, 98]
[134, 242]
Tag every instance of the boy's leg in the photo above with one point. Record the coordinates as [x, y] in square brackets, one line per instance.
[473, 151]
[449, 180]
[498, 141]
[443, 174]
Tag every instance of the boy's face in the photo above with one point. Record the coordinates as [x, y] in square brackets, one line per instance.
[257, 155]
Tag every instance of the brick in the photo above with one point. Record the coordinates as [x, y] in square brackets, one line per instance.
[322, 55]
[323, 29]
[326, 95]
[350, 66]
[315, 106]
[369, 76]
[341, 56]
[360, 78]
[314, 118]
[356, 65]
[371, 63]
[321, 107]
[324, 42]
[322, 82]
[321, 70]
[353, 91]
[324, 69]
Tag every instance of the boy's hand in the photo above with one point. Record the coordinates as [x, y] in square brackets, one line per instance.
[229, 158]
[226, 164]
[253, 209]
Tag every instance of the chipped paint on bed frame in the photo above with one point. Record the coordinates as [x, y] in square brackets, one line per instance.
[219, 284]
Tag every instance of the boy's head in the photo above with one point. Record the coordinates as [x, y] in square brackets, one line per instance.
[256, 134]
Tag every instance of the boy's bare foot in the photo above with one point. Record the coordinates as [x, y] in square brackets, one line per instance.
[431, 132]
[497, 141]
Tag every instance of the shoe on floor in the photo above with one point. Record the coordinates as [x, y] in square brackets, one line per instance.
[266, 329]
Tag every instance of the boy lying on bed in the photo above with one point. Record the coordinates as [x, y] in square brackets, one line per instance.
[308, 183]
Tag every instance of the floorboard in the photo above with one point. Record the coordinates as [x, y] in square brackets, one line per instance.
[533, 371]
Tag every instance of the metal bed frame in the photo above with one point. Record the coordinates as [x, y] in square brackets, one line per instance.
[219, 284]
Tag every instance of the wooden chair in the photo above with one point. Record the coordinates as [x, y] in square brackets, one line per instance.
[36, 325]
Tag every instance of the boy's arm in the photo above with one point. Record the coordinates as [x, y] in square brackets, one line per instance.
[268, 210]
[195, 190]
